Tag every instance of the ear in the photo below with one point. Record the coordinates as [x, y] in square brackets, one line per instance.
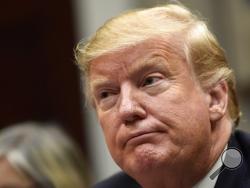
[217, 100]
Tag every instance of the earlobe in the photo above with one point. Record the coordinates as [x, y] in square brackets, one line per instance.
[218, 99]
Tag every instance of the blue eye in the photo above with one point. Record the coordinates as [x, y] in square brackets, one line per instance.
[150, 80]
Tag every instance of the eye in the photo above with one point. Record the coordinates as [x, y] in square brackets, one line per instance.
[104, 94]
[106, 98]
[151, 80]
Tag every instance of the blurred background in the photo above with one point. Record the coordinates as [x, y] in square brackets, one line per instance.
[38, 78]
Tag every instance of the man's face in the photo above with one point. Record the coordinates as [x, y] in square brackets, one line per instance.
[152, 111]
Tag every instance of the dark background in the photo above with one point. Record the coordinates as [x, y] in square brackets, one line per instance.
[38, 78]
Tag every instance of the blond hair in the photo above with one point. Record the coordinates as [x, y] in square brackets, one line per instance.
[45, 154]
[187, 35]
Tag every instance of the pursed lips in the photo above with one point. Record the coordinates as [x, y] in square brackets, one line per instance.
[140, 134]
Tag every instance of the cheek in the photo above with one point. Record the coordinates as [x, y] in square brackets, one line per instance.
[109, 126]
[182, 114]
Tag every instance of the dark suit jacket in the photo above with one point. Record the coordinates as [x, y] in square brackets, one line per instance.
[240, 177]
[237, 178]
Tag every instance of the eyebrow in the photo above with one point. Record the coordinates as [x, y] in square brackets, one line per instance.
[135, 69]
[96, 83]
[151, 63]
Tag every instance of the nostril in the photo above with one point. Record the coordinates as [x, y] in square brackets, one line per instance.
[131, 119]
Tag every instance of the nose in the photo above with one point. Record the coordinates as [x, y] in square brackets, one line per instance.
[130, 107]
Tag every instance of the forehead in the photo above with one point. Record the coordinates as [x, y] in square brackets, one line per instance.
[134, 58]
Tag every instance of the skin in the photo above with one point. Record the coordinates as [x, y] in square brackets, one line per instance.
[160, 126]
[10, 178]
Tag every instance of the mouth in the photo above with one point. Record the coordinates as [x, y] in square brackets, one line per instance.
[142, 137]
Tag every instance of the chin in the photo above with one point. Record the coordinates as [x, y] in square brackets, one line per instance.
[146, 158]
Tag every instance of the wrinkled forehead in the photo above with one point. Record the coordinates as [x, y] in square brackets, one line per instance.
[123, 59]
[141, 52]
[134, 60]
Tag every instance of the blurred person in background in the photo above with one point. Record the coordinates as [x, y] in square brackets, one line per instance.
[40, 156]
[165, 98]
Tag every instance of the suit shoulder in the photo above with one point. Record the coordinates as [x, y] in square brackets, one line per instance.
[243, 139]
[120, 180]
